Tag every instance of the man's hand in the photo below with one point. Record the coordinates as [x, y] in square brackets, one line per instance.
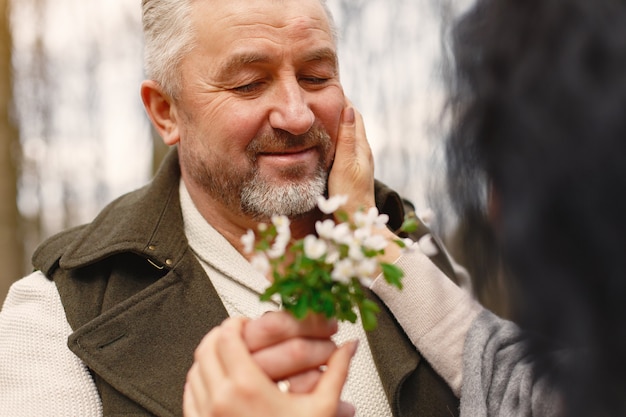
[225, 380]
[290, 349]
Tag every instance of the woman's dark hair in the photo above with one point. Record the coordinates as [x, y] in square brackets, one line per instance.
[538, 106]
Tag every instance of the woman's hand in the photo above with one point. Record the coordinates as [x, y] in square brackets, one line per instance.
[352, 173]
[225, 379]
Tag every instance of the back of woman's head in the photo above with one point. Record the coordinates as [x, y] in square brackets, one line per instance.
[539, 105]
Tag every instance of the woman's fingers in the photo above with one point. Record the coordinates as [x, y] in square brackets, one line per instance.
[328, 391]
[207, 372]
[334, 377]
[352, 173]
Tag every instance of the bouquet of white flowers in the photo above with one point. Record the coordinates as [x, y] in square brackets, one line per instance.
[325, 273]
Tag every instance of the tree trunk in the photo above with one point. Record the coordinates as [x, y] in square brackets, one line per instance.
[11, 247]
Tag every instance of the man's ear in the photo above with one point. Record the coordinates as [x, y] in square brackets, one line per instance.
[161, 111]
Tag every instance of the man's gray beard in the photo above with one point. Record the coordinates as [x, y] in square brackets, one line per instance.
[251, 194]
[261, 200]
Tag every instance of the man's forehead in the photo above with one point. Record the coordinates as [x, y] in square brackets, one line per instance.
[262, 11]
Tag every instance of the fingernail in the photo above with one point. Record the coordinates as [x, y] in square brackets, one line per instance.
[348, 116]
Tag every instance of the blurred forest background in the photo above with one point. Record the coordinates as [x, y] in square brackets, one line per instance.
[74, 135]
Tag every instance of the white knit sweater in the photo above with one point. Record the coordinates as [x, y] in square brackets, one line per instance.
[39, 375]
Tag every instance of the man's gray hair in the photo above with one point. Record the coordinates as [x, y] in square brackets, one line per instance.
[168, 37]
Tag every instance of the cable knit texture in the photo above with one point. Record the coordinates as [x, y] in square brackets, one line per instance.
[39, 375]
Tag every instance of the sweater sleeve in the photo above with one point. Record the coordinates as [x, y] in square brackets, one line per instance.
[39, 375]
[481, 356]
[434, 312]
[498, 373]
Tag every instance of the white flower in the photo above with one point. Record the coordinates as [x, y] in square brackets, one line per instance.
[362, 233]
[427, 216]
[427, 245]
[362, 220]
[343, 271]
[314, 248]
[409, 245]
[371, 218]
[260, 263]
[282, 224]
[332, 256]
[341, 234]
[248, 241]
[355, 250]
[325, 229]
[332, 204]
[375, 242]
[283, 236]
[381, 221]
[278, 248]
[366, 268]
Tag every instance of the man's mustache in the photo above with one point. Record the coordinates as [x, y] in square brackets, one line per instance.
[280, 140]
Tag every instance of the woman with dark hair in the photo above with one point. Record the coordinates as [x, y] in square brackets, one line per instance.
[538, 106]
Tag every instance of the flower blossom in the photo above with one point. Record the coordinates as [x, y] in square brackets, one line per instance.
[343, 271]
[314, 248]
[365, 269]
[355, 250]
[328, 206]
[260, 263]
[409, 245]
[371, 218]
[282, 224]
[427, 245]
[375, 242]
[248, 241]
[283, 236]
[325, 229]
[341, 234]
[332, 255]
[279, 246]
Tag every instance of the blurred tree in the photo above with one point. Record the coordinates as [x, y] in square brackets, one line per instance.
[11, 248]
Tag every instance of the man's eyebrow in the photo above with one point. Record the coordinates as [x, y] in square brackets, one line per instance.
[239, 61]
[324, 54]
[236, 62]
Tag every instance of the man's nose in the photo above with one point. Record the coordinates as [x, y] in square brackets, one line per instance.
[290, 110]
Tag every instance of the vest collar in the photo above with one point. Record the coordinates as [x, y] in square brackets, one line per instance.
[133, 223]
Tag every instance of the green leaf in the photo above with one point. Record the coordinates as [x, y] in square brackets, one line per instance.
[393, 275]
[409, 225]
[368, 318]
[302, 306]
[342, 216]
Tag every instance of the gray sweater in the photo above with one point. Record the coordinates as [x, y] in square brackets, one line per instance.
[480, 355]
[498, 377]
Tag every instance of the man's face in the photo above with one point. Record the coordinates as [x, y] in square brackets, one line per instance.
[260, 105]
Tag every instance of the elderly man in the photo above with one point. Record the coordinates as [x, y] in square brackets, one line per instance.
[248, 95]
